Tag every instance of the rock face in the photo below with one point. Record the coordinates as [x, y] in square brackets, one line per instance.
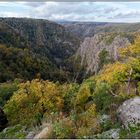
[3, 120]
[30, 135]
[92, 46]
[45, 133]
[129, 112]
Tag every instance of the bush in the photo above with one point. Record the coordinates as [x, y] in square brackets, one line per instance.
[6, 91]
[87, 123]
[69, 91]
[81, 98]
[63, 129]
[83, 133]
[102, 98]
[28, 105]
[14, 132]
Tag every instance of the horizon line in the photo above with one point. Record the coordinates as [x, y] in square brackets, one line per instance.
[78, 21]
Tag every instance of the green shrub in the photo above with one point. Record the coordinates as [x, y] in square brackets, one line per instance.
[69, 91]
[63, 129]
[6, 91]
[28, 105]
[102, 98]
[103, 58]
[13, 132]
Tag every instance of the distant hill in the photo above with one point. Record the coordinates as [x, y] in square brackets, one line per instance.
[89, 29]
[42, 38]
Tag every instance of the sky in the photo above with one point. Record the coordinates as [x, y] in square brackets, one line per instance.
[73, 11]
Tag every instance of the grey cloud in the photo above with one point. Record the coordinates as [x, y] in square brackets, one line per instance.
[87, 11]
[34, 4]
[132, 14]
[73, 11]
[108, 10]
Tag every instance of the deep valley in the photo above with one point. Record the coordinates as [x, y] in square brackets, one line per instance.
[69, 79]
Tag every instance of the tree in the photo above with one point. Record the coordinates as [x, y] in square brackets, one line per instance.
[103, 58]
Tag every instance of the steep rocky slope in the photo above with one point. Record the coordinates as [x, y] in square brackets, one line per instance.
[94, 51]
[100, 41]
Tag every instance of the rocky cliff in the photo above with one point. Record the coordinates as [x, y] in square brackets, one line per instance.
[92, 47]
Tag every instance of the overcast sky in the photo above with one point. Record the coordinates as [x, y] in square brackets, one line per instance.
[74, 11]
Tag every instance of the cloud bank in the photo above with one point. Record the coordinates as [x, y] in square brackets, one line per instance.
[73, 11]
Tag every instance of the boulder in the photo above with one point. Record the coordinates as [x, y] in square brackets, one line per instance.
[110, 134]
[3, 120]
[129, 112]
[104, 118]
[30, 135]
[45, 133]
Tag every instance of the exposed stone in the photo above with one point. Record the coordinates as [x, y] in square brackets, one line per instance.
[30, 135]
[129, 112]
[104, 118]
[92, 46]
[45, 133]
[110, 134]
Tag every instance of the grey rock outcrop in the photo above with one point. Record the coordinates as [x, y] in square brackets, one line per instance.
[30, 135]
[45, 133]
[110, 134]
[92, 46]
[104, 118]
[129, 112]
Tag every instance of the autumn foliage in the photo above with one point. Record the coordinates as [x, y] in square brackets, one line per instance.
[74, 109]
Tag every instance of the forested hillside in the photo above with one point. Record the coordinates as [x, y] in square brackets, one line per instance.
[89, 29]
[48, 43]
[20, 63]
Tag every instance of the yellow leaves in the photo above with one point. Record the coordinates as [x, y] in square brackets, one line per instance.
[43, 100]
[132, 50]
[133, 62]
[110, 71]
[32, 98]
[92, 110]
[87, 123]
[83, 132]
[127, 70]
[59, 102]
[82, 95]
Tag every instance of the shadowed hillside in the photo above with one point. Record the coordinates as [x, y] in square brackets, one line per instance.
[43, 39]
